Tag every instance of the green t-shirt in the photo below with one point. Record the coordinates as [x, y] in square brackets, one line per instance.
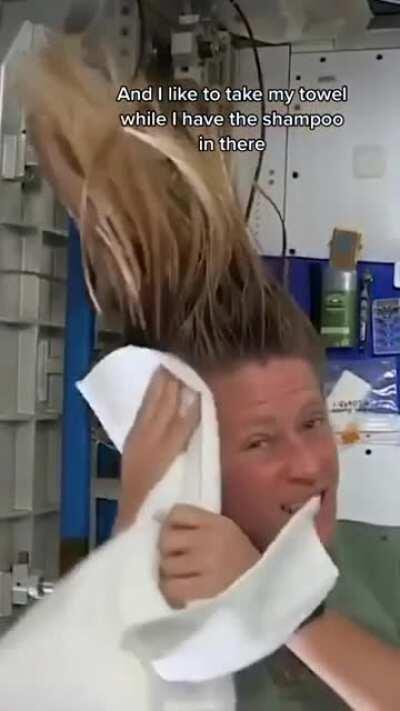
[368, 592]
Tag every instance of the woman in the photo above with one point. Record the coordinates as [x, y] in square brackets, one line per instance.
[165, 242]
[358, 666]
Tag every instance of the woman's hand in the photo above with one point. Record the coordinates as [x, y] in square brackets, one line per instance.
[202, 554]
[162, 430]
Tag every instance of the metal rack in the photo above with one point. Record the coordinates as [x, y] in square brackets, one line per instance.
[33, 270]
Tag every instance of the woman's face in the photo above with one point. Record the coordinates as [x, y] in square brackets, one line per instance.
[277, 448]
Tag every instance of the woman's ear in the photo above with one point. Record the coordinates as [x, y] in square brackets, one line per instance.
[57, 163]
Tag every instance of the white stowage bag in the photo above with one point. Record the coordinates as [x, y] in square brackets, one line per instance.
[106, 640]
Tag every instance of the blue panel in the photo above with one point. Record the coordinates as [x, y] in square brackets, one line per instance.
[108, 462]
[105, 516]
[76, 451]
[305, 285]
[305, 274]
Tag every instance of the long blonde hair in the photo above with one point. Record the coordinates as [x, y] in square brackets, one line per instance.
[162, 232]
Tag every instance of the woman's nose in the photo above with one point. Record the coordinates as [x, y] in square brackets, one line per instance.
[305, 465]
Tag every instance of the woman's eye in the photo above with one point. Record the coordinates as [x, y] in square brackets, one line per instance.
[259, 443]
[315, 422]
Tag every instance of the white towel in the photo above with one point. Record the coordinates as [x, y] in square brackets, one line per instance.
[106, 640]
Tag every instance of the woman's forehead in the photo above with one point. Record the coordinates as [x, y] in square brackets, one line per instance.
[261, 384]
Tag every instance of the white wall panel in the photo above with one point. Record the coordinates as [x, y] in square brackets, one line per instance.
[327, 192]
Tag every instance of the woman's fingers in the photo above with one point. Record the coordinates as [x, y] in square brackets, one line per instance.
[160, 433]
[153, 396]
[180, 565]
[168, 406]
[160, 402]
[184, 516]
[185, 425]
[175, 542]
[162, 410]
[178, 591]
[156, 400]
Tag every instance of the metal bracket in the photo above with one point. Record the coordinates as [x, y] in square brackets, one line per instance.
[21, 586]
[200, 52]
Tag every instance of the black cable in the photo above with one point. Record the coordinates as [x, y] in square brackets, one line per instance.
[281, 218]
[260, 76]
[257, 174]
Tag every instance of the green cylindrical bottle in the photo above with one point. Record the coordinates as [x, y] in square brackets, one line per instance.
[339, 308]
